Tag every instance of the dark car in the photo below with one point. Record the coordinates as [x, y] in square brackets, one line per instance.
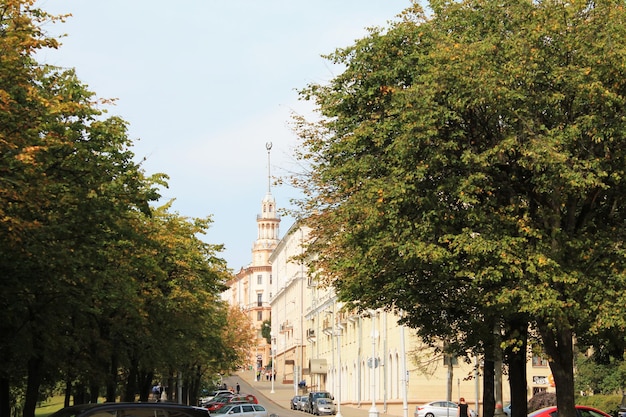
[314, 395]
[131, 409]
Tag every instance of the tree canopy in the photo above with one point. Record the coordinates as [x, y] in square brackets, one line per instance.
[468, 169]
[101, 290]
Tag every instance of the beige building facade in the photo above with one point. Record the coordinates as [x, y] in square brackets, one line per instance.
[250, 289]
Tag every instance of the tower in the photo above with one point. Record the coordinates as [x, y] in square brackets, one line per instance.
[250, 289]
[268, 223]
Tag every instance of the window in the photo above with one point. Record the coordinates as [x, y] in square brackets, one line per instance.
[259, 279]
[259, 299]
[259, 316]
[270, 279]
[450, 360]
[539, 361]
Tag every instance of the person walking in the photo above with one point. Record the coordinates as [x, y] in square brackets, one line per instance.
[463, 408]
[238, 388]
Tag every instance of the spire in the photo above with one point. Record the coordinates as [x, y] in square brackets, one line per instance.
[268, 222]
[268, 146]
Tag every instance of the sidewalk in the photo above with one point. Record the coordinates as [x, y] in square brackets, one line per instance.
[283, 393]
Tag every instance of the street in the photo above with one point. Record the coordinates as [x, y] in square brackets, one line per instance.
[274, 405]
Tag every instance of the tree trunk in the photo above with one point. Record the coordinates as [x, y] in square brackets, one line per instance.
[515, 357]
[32, 386]
[5, 397]
[559, 345]
[68, 392]
[111, 394]
[489, 397]
[94, 392]
[131, 382]
[145, 383]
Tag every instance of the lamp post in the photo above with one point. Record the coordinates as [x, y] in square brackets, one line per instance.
[373, 412]
[338, 334]
[273, 355]
[405, 375]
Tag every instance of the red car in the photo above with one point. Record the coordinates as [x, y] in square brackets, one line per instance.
[217, 402]
[581, 411]
[243, 398]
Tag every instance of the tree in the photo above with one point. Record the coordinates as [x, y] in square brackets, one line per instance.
[95, 281]
[468, 170]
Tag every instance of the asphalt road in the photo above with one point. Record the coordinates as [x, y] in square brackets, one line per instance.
[274, 405]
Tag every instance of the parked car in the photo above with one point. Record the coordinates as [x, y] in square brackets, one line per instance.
[243, 398]
[212, 394]
[324, 406]
[295, 402]
[219, 395]
[303, 400]
[581, 411]
[218, 402]
[440, 408]
[134, 409]
[314, 395]
[241, 410]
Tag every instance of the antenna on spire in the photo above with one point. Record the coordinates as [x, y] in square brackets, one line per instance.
[268, 146]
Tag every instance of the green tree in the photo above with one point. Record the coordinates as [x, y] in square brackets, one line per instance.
[96, 284]
[468, 170]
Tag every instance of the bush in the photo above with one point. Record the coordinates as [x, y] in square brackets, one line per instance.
[541, 400]
[607, 403]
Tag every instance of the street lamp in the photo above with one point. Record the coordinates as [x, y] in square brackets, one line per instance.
[273, 355]
[338, 334]
[373, 412]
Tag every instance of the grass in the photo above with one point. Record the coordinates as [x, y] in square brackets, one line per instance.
[50, 406]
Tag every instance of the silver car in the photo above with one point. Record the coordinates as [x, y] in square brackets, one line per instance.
[324, 406]
[438, 409]
[303, 399]
[241, 410]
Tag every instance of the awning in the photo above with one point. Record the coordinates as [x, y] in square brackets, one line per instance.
[318, 366]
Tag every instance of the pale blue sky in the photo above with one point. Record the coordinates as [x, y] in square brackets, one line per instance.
[204, 84]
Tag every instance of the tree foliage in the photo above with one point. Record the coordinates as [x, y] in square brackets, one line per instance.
[100, 290]
[468, 169]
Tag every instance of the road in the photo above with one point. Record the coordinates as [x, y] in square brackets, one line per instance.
[274, 406]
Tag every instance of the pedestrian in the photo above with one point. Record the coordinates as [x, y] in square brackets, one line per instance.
[238, 388]
[463, 408]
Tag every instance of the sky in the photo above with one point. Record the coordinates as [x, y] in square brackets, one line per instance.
[205, 85]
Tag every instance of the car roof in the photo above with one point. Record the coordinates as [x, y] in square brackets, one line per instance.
[84, 409]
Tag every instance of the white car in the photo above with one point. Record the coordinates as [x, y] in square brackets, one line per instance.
[439, 409]
[241, 410]
[212, 394]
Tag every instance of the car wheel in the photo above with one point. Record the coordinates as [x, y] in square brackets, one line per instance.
[429, 415]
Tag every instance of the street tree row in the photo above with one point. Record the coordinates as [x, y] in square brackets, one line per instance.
[101, 291]
[467, 170]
